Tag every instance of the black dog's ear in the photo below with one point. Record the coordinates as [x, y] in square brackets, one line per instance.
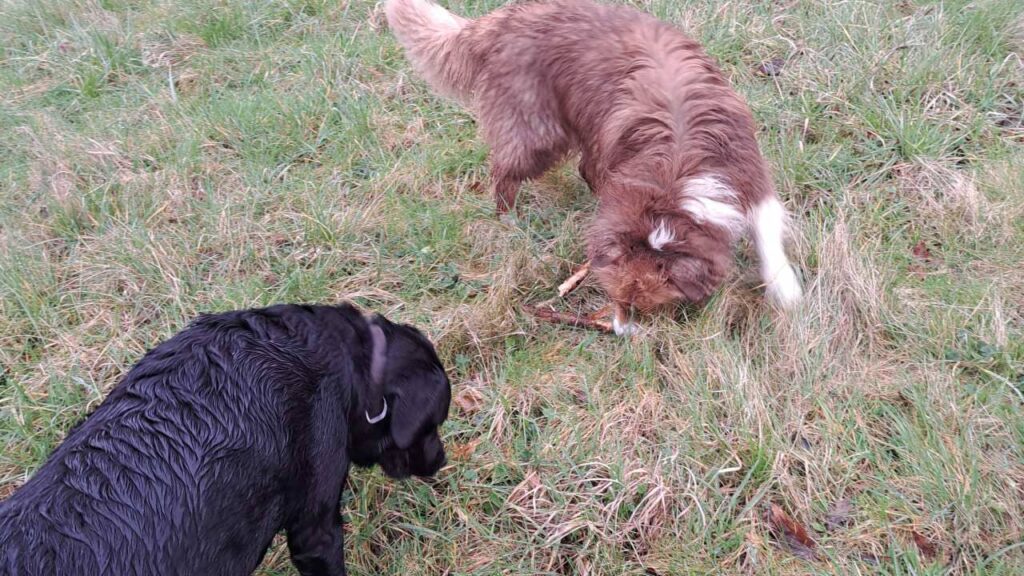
[418, 398]
[414, 382]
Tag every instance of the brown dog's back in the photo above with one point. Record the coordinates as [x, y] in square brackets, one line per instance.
[612, 81]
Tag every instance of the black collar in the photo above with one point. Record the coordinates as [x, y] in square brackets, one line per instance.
[378, 357]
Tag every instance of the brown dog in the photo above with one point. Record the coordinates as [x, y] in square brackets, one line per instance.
[666, 144]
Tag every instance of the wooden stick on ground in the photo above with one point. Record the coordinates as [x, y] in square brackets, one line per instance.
[573, 282]
[589, 321]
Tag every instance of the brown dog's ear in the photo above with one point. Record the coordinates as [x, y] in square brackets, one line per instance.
[604, 250]
[696, 278]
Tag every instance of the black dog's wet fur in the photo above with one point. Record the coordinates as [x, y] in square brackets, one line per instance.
[242, 425]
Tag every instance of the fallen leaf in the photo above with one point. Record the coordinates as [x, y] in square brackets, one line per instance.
[838, 514]
[793, 534]
[868, 558]
[802, 441]
[792, 528]
[771, 67]
[469, 400]
[920, 250]
[924, 544]
[578, 394]
[464, 451]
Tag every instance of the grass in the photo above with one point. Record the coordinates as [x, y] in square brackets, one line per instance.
[162, 158]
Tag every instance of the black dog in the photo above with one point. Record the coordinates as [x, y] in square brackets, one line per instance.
[240, 426]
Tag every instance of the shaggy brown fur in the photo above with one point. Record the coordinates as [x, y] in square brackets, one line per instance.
[666, 144]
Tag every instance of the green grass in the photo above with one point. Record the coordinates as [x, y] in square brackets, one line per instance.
[163, 158]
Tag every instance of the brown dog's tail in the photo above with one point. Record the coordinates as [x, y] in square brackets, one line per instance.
[431, 38]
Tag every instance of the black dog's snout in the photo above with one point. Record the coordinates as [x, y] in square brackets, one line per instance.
[430, 459]
[429, 471]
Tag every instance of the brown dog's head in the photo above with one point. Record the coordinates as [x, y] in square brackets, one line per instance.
[649, 260]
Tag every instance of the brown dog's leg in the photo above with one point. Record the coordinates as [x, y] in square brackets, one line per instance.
[505, 182]
[514, 163]
[588, 174]
[621, 321]
[522, 127]
[505, 190]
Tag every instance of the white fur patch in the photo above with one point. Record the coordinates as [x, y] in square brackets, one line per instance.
[624, 329]
[660, 236]
[712, 201]
[767, 221]
[438, 15]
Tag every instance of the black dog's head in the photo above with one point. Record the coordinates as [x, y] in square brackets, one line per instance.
[414, 384]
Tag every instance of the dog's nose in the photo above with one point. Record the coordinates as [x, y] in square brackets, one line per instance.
[429, 471]
[439, 462]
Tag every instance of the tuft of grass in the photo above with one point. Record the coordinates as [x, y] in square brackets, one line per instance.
[167, 158]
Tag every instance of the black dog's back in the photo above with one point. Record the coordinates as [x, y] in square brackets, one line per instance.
[187, 456]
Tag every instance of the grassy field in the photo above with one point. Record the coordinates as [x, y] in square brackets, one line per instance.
[162, 158]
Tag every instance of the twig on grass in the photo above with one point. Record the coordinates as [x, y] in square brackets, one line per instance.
[573, 282]
[589, 321]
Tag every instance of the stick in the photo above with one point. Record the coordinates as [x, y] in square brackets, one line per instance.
[586, 321]
[573, 282]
